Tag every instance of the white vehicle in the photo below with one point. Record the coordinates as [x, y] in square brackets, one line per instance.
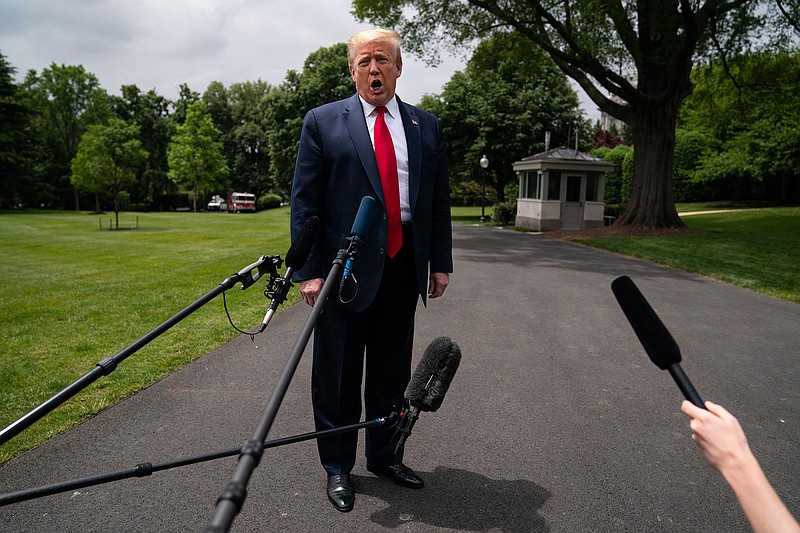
[217, 203]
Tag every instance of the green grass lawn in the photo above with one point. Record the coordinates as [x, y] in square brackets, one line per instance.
[72, 294]
[758, 249]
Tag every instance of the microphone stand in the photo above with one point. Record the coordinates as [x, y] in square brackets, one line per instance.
[146, 469]
[233, 495]
[247, 277]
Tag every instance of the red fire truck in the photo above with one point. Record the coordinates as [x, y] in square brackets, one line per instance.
[239, 202]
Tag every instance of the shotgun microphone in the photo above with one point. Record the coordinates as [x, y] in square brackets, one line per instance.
[298, 252]
[429, 384]
[656, 340]
[295, 259]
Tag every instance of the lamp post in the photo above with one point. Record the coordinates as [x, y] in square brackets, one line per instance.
[484, 166]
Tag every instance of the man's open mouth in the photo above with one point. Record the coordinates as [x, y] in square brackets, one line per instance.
[376, 84]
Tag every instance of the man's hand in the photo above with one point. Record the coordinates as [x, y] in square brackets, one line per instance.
[438, 283]
[309, 289]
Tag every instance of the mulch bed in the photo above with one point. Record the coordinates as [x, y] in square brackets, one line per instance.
[618, 231]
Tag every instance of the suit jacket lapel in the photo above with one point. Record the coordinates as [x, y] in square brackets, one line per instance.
[414, 145]
[357, 128]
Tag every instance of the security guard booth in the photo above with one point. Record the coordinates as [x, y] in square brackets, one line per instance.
[561, 189]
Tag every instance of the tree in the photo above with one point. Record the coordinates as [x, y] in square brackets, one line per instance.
[107, 159]
[250, 136]
[151, 113]
[16, 141]
[751, 108]
[241, 118]
[325, 78]
[217, 101]
[639, 51]
[607, 138]
[618, 181]
[186, 97]
[67, 100]
[195, 155]
[500, 106]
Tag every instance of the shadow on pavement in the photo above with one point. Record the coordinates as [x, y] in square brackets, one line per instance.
[459, 500]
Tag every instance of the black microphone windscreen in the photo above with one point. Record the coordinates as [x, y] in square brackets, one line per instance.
[364, 217]
[301, 247]
[433, 374]
[656, 340]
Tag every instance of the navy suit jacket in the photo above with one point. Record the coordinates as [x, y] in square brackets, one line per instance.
[336, 167]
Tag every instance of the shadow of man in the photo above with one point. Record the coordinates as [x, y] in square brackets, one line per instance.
[460, 500]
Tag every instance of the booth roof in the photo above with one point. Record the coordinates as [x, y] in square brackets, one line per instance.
[564, 153]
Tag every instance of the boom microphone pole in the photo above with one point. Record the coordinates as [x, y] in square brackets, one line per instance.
[247, 276]
[656, 340]
[233, 495]
[147, 469]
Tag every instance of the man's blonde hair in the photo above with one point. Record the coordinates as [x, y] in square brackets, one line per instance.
[375, 34]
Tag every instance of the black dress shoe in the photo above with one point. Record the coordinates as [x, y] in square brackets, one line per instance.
[399, 473]
[340, 492]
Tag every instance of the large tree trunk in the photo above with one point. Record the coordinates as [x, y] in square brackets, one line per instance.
[651, 203]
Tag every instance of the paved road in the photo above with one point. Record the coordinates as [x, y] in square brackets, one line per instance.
[556, 420]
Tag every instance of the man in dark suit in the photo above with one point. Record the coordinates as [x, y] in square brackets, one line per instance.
[344, 156]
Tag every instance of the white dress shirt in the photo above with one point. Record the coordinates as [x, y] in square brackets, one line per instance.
[395, 124]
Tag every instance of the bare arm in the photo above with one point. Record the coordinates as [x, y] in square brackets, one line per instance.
[722, 442]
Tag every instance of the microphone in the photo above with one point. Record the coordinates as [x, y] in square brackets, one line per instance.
[429, 384]
[298, 252]
[656, 340]
[295, 259]
[358, 233]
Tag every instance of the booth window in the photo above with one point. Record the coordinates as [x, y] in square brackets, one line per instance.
[554, 186]
[533, 185]
[591, 187]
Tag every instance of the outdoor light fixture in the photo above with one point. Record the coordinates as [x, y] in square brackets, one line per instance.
[484, 166]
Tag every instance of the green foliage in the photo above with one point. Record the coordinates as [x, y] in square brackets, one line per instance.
[504, 213]
[690, 147]
[151, 113]
[617, 181]
[268, 201]
[16, 141]
[750, 111]
[108, 159]
[465, 193]
[67, 100]
[240, 116]
[250, 136]
[508, 95]
[186, 97]
[325, 78]
[195, 156]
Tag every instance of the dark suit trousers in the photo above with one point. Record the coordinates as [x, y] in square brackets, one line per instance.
[382, 335]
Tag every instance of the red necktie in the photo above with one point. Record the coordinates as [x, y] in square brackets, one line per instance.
[387, 166]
